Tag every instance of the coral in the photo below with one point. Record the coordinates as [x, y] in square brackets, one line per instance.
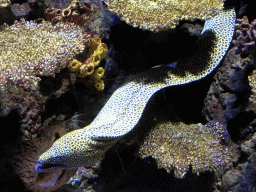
[20, 10]
[245, 35]
[252, 82]
[96, 52]
[74, 65]
[124, 109]
[98, 74]
[86, 70]
[176, 146]
[99, 85]
[30, 50]
[26, 157]
[77, 13]
[49, 14]
[4, 3]
[229, 84]
[159, 15]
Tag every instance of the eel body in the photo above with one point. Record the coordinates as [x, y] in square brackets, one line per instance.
[87, 146]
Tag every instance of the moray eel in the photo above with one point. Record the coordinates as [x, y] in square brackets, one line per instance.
[86, 147]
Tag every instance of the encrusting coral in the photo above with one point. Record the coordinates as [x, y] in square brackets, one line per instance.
[176, 146]
[86, 147]
[158, 15]
[89, 68]
[30, 49]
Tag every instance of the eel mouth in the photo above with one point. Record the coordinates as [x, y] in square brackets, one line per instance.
[48, 167]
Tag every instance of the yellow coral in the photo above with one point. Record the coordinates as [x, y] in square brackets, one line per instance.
[99, 85]
[74, 65]
[86, 69]
[95, 43]
[158, 15]
[98, 74]
[98, 51]
[101, 52]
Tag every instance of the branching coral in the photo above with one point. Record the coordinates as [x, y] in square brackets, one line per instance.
[245, 35]
[157, 15]
[176, 146]
[29, 49]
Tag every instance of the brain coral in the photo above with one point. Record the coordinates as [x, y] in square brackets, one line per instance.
[176, 146]
[157, 15]
[28, 49]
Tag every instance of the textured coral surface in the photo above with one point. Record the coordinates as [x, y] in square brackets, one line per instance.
[29, 49]
[177, 146]
[158, 15]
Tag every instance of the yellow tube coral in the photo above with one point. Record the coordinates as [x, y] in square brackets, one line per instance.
[99, 85]
[74, 65]
[86, 69]
[97, 51]
[98, 74]
[94, 45]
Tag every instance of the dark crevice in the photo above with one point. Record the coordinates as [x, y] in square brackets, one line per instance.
[64, 105]
[236, 124]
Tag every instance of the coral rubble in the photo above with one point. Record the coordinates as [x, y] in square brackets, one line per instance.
[158, 15]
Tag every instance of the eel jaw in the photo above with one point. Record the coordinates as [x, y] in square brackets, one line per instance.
[44, 167]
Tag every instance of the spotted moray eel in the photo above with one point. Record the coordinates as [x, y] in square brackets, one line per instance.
[87, 146]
